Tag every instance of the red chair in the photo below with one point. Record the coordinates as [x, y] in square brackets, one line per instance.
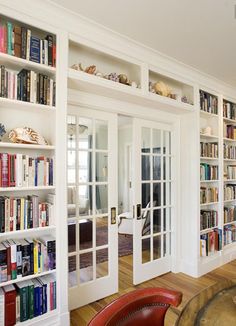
[142, 307]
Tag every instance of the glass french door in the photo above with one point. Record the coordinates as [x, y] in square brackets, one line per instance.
[153, 186]
[92, 202]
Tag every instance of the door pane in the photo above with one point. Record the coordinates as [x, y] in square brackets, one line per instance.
[85, 133]
[157, 247]
[86, 267]
[85, 234]
[145, 164]
[85, 166]
[101, 231]
[156, 168]
[101, 167]
[145, 195]
[101, 131]
[101, 263]
[156, 194]
[72, 279]
[85, 200]
[101, 199]
[146, 140]
[146, 247]
[146, 219]
[156, 141]
[166, 143]
[156, 221]
[72, 236]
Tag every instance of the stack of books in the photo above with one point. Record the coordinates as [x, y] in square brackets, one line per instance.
[229, 110]
[229, 214]
[208, 219]
[27, 86]
[19, 41]
[19, 170]
[23, 257]
[208, 172]
[27, 299]
[22, 213]
[210, 242]
[209, 149]
[208, 102]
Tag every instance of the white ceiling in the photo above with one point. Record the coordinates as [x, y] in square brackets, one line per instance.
[200, 33]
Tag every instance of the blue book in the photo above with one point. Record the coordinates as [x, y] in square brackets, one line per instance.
[36, 297]
[35, 49]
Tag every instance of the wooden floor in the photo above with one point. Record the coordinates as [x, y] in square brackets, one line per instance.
[187, 285]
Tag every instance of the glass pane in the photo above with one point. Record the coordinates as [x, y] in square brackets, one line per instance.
[101, 199]
[71, 158]
[145, 167]
[71, 199]
[71, 176]
[101, 231]
[165, 239]
[156, 167]
[145, 195]
[101, 134]
[146, 140]
[157, 247]
[85, 234]
[146, 246]
[71, 132]
[156, 141]
[101, 167]
[72, 277]
[146, 218]
[72, 236]
[164, 168]
[166, 216]
[166, 193]
[85, 133]
[86, 267]
[85, 200]
[169, 168]
[156, 220]
[166, 142]
[101, 263]
[85, 166]
[156, 194]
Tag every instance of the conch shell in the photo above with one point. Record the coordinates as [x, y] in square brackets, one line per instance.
[162, 89]
[26, 135]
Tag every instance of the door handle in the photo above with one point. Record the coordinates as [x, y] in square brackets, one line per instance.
[113, 215]
[138, 211]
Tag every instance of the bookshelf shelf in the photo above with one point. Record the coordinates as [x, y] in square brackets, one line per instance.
[8, 103]
[27, 232]
[16, 63]
[208, 204]
[229, 139]
[209, 136]
[230, 159]
[29, 277]
[208, 181]
[209, 158]
[39, 319]
[230, 180]
[26, 146]
[27, 188]
[229, 200]
[229, 120]
[229, 245]
[207, 114]
[229, 223]
[208, 230]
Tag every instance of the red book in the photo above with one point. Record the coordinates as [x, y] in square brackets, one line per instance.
[10, 305]
[8, 247]
[11, 170]
[4, 164]
[54, 55]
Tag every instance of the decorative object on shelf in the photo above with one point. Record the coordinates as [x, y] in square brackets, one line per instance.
[2, 131]
[113, 76]
[162, 89]
[206, 131]
[184, 99]
[26, 135]
[123, 79]
[91, 70]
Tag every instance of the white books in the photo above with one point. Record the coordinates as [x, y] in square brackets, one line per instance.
[19, 172]
[28, 44]
[51, 199]
[203, 247]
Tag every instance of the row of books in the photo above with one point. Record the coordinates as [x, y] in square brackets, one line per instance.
[230, 191]
[229, 234]
[27, 299]
[208, 102]
[230, 172]
[229, 110]
[208, 172]
[229, 214]
[19, 170]
[210, 242]
[22, 213]
[229, 152]
[20, 42]
[27, 86]
[209, 149]
[229, 131]
[23, 257]
[208, 219]
[208, 195]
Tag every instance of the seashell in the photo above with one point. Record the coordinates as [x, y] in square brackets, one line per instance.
[26, 135]
[123, 79]
[77, 66]
[91, 70]
[162, 89]
[113, 76]
[99, 74]
[133, 84]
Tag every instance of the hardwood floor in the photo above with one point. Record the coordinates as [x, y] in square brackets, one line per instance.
[187, 285]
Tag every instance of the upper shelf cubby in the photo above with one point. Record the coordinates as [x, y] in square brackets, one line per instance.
[101, 65]
[163, 85]
[208, 102]
[22, 45]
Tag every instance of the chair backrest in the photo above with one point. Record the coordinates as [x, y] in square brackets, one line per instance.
[140, 307]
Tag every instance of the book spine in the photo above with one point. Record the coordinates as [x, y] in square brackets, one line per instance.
[10, 308]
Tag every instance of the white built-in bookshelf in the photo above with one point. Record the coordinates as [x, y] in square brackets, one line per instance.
[26, 212]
